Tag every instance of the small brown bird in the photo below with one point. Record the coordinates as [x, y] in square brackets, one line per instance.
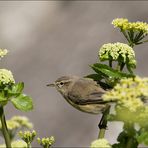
[82, 93]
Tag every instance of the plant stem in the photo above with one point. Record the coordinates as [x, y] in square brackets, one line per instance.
[125, 35]
[4, 128]
[28, 145]
[129, 143]
[101, 133]
[103, 123]
[131, 132]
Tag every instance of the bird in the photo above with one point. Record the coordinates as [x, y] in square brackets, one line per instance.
[82, 93]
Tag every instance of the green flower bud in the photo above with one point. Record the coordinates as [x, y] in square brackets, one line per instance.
[27, 136]
[46, 142]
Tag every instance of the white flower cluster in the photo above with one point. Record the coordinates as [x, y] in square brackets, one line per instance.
[6, 77]
[117, 52]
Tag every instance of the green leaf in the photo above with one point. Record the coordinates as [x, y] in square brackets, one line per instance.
[3, 99]
[22, 102]
[97, 70]
[108, 71]
[143, 137]
[19, 87]
[16, 89]
[95, 77]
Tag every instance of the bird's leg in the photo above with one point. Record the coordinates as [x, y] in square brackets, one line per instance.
[103, 123]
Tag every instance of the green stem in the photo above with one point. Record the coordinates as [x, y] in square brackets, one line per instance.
[28, 145]
[4, 128]
[103, 123]
[125, 35]
[101, 133]
[142, 42]
[131, 44]
[130, 130]
[129, 143]
[46, 146]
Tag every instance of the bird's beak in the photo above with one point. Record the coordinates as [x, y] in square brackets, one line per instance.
[51, 85]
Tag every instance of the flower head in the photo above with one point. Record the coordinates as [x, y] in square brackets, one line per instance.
[124, 24]
[139, 26]
[23, 121]
[118, 52]
[6, 77]
[121, 23]
[46, 142]
[129, 93]
[3, 52]
[100, 143]
[11, 125]
[17, 122]
[27, 136]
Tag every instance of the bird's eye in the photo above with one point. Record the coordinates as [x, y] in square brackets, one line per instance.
[61, 83]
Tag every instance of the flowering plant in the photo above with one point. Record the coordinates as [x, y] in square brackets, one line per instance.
[10, 91]
[128, 91]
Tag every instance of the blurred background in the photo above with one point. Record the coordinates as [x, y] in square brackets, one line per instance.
[54, 38]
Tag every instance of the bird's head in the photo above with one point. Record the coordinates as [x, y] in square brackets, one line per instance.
[64, 83]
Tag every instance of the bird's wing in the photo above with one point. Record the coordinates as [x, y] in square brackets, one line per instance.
[94, 99]
[86, 92]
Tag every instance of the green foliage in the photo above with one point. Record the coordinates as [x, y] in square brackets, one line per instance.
[22, 102]
[15, 89]
[14, 93]
[107, 74]
[123, 138]
[142, 136]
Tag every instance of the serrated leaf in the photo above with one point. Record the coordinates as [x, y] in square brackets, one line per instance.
[108, 71]
[22, 102]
